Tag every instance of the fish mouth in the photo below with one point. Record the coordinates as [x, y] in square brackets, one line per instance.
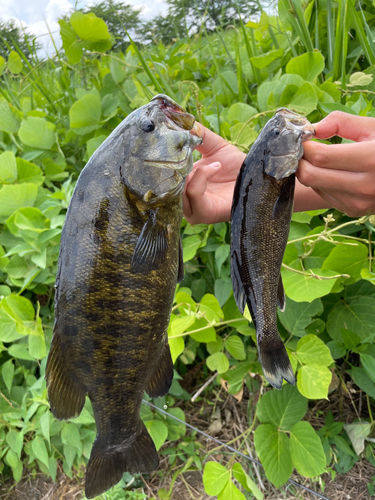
[168, 163]
[177, 116]
[295, 122]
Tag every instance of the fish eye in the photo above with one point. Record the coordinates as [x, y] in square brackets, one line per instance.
[147, 125]
[275, 132]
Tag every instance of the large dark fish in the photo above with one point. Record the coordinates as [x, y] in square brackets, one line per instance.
[261, 214]
[119, 263]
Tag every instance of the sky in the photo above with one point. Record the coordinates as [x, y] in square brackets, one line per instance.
[34, 14]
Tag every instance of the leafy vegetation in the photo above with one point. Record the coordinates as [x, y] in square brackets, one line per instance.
[54, 114]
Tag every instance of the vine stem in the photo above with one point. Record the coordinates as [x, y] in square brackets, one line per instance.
[213, 323]
[311, 274]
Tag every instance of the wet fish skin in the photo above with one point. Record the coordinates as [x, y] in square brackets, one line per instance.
[119, 263]
[260, 221]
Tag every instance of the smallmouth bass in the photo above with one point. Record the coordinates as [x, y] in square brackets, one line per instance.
[260, 220]
[119, 262]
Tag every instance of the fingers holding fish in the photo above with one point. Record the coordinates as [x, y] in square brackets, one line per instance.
[352, 127]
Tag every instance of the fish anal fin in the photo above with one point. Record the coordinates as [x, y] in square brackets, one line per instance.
[281, 295]
[180, 275]
[161, 380]
[151, 247]
[66, 395]
[275, 361]
[108, 463]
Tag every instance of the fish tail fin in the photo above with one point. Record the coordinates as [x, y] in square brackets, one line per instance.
[107, 463]
[275, 361]
[65, 393]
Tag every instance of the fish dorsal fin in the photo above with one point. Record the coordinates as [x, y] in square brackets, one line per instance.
[180, 275]
[151, 247]
[161, 380]
[281, 295]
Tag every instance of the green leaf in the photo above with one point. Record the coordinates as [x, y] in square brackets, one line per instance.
[12, 459]
[20, 351]
[30, 219]
[10, 117]
[358, 316]
[306, 450]
[15, 64]
[93, 144]
[311, 350]
[303, 101]
[13, 197]
[190, 246]
[264, 91]
[37, 133]
[72, 45]
[176, 346]
[243, 135]
[221, 255]
[8, 328]
[368, 363]
[8, 167]
[218, 361]
[265, 60]
[208, 334]
[37, 345]
[297, 315]
[347, 259]
[39, 448]
[350, 339]
[86, 112]
[301, 288]
[15, 441]
[89, 27]
[222, 290]
[308, 65]
[70, 453]
[29, 172]
[235, 347]
[362, 380]
[367, 275]
[21, 307]
[158, 431]
[313, 381]
[7, 372]
[282, 408]
[241, 112]
[358, 432]
[231, 492]
[244, 479]
[343, 446]
[210, 306]
[273, 450]
[179, 325]
[45, 425]
[175, 428]
[215, 477]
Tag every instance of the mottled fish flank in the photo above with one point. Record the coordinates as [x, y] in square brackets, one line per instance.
[119, 263]
[261, 214]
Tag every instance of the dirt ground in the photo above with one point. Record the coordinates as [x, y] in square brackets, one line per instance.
[225, 418]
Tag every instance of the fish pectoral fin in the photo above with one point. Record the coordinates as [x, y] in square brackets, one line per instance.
[161, 379]
[65, 393]
[151, 247]
[238, 289]
[281, 295]
[180, 275]
[108, 463]
[284, 202]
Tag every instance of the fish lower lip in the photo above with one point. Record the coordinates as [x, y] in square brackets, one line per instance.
[166, 163]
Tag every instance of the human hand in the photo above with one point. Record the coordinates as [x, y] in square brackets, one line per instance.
[209, 188]
[343, 175]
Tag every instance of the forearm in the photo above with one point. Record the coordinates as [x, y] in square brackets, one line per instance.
[306, 199]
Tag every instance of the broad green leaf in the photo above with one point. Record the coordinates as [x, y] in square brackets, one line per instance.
[175, 429]
[368, 275]
[8, 167]
[176, 346]
[70, 435]
[347, 259]
[12, 459]
[72, 45]
[29, 172]
[308, 65]
[215, 477]
[306, 450]
[37, 345]
[265, 60]
[15, 64]
[158, 432]
[20, 351]
[211, 308]
[243, 134]
[86, 112]
[39, 448]
[361, 378]
[360, 79]
[350, 339]
[357, 316]
[30, 219]
[70, 453]
[37, 133]
[8, 328]
[313, 381]
[282, 408]
[15, 441]
[329, 107]
[7, 373]
[45, 425]
[215, 346]
[273, 450]
[218, 361]
[230, 78]
[301, 288]
[17, 267]
[179, 325]
[358, 432]
[344, 446]
[21, 307]
[368, 363]
[231, 492]
[10, 117]
[13, 197]
[207, 333]
[298, 315]
[311, 350]
[93, 144]
[303, 101]
[244, 479]
[235, 376]
[221, 255]
[222, 290]
[241, 112]
[190, 246]
[89, 27]
[264, 91]
[235, 347]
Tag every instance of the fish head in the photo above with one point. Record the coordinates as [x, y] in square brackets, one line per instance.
[284, 135]
[163, 136]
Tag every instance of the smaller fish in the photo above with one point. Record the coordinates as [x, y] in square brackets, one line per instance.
[260, 220]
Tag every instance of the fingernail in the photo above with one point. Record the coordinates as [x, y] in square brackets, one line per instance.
[215, 164]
